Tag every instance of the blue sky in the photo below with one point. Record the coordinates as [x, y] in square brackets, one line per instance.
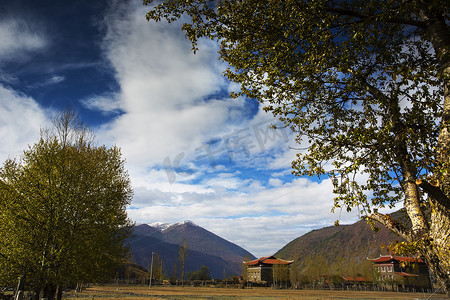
[192, 152]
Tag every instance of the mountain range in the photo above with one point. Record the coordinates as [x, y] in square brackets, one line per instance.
[341, 247]
[221, 257]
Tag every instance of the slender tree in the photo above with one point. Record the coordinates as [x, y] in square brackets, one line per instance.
[157, 267]
[62, 208]
[174, 272]
[244, 270]
[295, 274]
[365, 84]
[182, 255]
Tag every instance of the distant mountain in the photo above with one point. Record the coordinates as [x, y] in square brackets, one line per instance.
[348, 243]
[205, 248]
[147, 230]
[202, 240]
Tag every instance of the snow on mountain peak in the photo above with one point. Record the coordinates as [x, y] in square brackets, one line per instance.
[160, 225]
[163, 226]
[188, 222]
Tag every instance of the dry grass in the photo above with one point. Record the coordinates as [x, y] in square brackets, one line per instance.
[187, 293]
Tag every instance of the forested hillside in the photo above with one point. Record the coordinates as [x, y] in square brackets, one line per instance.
[339, 250]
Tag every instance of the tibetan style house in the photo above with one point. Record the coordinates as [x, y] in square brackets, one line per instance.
[268, 270]
[400, 271]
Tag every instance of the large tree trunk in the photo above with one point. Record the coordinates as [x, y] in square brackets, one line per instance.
[437, 252]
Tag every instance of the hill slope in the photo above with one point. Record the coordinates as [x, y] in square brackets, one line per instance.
[342, 248]
[202, 240]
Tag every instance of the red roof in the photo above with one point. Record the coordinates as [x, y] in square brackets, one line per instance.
[406, 274]
[268, 260]
[387, 258]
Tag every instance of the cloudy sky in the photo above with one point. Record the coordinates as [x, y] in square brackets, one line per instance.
[192, 152]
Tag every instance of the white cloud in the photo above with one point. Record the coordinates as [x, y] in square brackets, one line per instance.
[164, 90]
[7, 77]
[275, 182]
[20, 123]
[225, 182]
[52, 80]
[18, 38]
[106, 103]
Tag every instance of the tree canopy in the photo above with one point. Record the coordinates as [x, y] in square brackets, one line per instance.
[365, 84]
[62, 207]
[202, 274]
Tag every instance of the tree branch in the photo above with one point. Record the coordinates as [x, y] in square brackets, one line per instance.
[433, 190]
[391, 224]
[352, 13]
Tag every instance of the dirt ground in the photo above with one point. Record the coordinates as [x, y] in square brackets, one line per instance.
[187, 293]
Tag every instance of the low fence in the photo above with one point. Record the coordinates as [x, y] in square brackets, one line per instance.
[236, 284]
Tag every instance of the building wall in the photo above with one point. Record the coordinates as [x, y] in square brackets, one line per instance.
[385, 271]
[254, 274]
[265, 274]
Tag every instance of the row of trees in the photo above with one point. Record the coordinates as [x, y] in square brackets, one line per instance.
[364, 84]
[63, 210]
[312, 269]
[156, 267]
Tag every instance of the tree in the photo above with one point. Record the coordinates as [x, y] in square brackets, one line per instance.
[202, 274]
[295, 274]
[62, 207]
[316, 267]
[280, 275]
[182, 255]
[156, 267]
[244, 269]
[174, 272]
[365, 84]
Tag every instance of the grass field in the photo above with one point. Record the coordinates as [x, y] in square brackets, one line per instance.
[186, 293]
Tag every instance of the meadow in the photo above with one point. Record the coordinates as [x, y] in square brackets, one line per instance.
[212, 293]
